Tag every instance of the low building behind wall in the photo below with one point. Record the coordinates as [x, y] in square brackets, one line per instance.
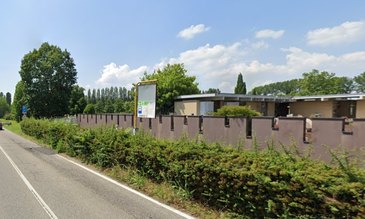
[311, 109]
[360, 109]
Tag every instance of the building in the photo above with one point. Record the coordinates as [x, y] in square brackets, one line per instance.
[320, 106]
[202, 104]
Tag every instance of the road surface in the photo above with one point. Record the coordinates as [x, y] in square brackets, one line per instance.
[35, 182]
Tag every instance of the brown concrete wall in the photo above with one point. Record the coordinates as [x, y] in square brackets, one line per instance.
[326, 133]
[236, 132]
[187, 107]
[310, 108]
[214, 129]
[165, 128]
[180, 128]
[125, 121]
[331, 132]
[262, 130]
[193, 126]
[360, 109]
[291, 131]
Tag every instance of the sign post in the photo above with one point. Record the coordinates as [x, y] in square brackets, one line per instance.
[144, 100]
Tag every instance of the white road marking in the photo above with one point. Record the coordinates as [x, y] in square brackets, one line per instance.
[46, 208]
[130, 189]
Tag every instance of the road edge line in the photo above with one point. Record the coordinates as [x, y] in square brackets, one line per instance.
[180, 213]
[44, 205]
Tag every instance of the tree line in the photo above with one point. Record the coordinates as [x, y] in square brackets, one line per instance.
[314, 83]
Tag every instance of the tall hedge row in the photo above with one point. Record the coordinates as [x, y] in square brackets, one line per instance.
[256, 184]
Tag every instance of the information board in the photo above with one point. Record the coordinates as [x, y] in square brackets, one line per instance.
[146, 104]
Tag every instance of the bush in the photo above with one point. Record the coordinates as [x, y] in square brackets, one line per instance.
[257, 184]
[89, 109]
[243, 111]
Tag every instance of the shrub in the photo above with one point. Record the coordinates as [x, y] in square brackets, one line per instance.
[243, 111]
[89, 109]
[257, 184]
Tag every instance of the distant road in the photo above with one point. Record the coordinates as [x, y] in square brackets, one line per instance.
[37, 183]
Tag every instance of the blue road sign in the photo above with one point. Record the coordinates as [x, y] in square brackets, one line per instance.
[24, 109]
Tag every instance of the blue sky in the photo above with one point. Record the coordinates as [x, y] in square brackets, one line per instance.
[114, 42]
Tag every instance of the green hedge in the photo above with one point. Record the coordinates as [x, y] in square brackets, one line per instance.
[251, 183]
[244, 111]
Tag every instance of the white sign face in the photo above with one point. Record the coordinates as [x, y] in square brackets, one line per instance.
[146, 105]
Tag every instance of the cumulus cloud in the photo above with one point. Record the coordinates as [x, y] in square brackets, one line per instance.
[217, 66]
[123, 76]
[267, 33]
[192, 31]
[344, 33]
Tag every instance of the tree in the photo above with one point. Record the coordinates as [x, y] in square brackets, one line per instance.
[172, 81]
[284, 88]
[322, 83]
[77, 100]
[8, 98]
[89, 109]
[48, 74]
[240, 86]
[18, 102]
[360, 83]
[4, 107]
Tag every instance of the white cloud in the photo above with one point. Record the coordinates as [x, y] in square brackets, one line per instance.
[344, 33]
[260, 45]
[123, 76]
[217, 66]
[192, 31]
[267, 33]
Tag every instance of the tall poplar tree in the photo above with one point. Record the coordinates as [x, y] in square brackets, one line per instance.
[240, 86]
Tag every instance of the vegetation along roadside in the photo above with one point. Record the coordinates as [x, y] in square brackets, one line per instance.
[227, 182]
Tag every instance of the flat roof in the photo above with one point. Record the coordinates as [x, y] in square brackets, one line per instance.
[234, 97]
[253, 98]
[330, 96]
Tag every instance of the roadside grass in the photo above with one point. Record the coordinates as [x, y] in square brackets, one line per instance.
[13, 127]
[164, 192]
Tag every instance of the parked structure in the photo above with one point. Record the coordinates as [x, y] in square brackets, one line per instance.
[321, 106]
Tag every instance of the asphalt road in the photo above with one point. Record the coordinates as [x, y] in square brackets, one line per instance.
[35, 182]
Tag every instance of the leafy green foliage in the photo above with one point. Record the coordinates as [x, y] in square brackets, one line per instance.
[172, 81]
[284, 88]
[8, 98]
[236, 111]
[48, 75]
[77, 102]
[89, 109]
[254, 184]
[111, 100]
[360, 82]
[321, 83]
[240, 86]
[4, 107]
[312, 83]
[19, 101]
